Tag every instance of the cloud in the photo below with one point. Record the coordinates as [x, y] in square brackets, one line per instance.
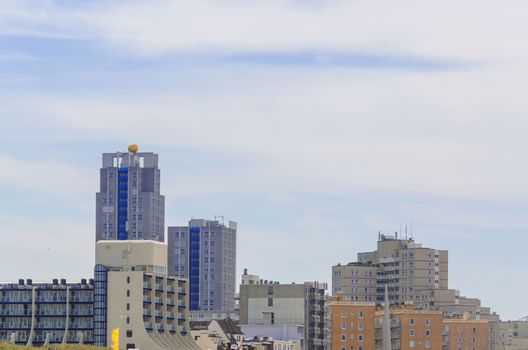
[50, 177]
[448, 29]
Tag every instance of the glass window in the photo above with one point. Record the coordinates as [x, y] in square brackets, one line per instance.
[343, 337]
[343, 325]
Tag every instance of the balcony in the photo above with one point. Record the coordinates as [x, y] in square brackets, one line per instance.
[159, 287]
[147, 285]
[170, 315]
[147, 299]
[170, 289]
[147, 313]
[158, 314]
[158, 300]
[148, 325]
[170, 302]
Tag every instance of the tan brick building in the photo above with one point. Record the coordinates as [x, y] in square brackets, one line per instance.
[412, 329]
[349, 325]
[465, 334]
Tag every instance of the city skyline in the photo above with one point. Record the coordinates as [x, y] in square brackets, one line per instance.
[311, 140]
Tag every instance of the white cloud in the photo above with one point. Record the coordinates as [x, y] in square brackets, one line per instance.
[480, 30]
[42, 175]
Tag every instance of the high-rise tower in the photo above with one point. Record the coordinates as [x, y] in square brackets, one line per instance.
[205, 253]
[129, 204]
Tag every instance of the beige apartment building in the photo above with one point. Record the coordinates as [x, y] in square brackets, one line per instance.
[137, 296]
[264, 302]
[509, 335]
[412, 273]
[404, 265]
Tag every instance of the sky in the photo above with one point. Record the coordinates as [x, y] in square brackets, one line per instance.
[313, 124]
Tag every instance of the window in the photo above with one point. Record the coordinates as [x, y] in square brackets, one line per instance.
[129, 333]
[128, 306]
[459, 340]
[427, 344]
[360, 337]
[427, 332]
[270, 290]
[128, 292]
[474, 330]
[270, 301]
[411, 321]
[360, 314]
[411, 343]
[128, 279]
[343, 325]
[427, 321]
[474, 340]
[343, 313]
[343, 337]
[412, 332]
[128, 320]
[360, 325]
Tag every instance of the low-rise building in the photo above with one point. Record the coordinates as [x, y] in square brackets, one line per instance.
[349, 324]
[463, 333]
[273, 303]
[509, 335]
[217, 334]
[47, 313]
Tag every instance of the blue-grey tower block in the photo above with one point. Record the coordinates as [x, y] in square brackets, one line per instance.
[129, 204]
[205, 253]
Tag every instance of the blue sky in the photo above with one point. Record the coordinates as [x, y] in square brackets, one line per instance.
[314, 125]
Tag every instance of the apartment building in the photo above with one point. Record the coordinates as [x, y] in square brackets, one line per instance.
[509, 335]
[464, 333]
[349, 324]
[272, 303]
[408, 328]
[205, 253]
[47, 313]
[404, 265]
[134, 293]
[411, 272]
[411, 328]
[129, 204]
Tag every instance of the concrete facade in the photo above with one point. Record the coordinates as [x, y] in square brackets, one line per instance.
[405, 266]
[272, 303]
[509, 335]
[138, 297]
[205, 253]
[411, 272]
[129, 204]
